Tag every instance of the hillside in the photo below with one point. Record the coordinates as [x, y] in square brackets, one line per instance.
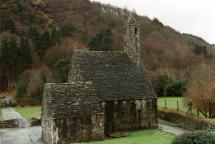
[164, 50]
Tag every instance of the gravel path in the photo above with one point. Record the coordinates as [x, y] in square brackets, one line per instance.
[10, 113]
[170, 129]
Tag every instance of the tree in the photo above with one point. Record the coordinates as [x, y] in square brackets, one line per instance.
[103, 41]
[21, 90]
[61, 70]
[8, 58]
[156, 21]
[56, 36]
[34, 35]
[200, 50]
[7, 24]
[201, 90]
[161, 84]
[107, 41]
[25, 54]
[3, 62]
[177, 88]
[165, 86]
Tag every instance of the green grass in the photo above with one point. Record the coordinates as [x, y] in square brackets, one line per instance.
[29, 112]
[141, 137]
[171, 103]
[1, 118]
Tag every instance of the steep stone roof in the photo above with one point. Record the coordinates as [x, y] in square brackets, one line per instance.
[113, 75]
[70, 99]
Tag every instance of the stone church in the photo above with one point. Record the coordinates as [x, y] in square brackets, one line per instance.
[106, 92]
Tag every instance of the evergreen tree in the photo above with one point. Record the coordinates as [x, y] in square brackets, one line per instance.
[55, 37]
[3, 62]
[8, 57]
[34, 35]
[44, 43]
[7, 24]
[21, 90]
[61, 70]
[46, 40]
[107, 41]
[103, 41]
[25, 54]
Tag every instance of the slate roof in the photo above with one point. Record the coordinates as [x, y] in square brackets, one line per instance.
[69, 100]
[113, 75]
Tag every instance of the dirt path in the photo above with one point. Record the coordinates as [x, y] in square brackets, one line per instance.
[10, 113]
[30, 135]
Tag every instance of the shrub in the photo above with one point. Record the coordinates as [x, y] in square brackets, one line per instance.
[103, 41]
[156, 21]
[198, 137]
[7, 24]
[165, 86]
[61, 70]
[200, 50]
[21, 89]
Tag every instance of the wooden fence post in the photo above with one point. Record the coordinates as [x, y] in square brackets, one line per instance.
[177, 105]
[165, 103]
[198, 112]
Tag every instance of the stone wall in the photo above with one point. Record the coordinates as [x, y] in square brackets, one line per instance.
[132, 39]
[70, 113]
[9, 124]
[186, 121]
[69, 99]
[130, 115]
[73, 129]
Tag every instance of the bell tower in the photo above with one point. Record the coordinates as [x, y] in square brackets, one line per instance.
[132, 39]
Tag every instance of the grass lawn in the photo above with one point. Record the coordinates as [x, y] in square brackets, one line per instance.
[1, 114]
[171, 103]
[29, 112]
[141, 137]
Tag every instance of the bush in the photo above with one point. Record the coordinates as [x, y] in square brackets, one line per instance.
[200, 50]
[7, 24]
[21, 89]
[61, 70]
[165, 86]
[198, 137]
[103, 41]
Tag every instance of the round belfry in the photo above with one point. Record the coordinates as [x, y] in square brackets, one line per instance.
[132, 39]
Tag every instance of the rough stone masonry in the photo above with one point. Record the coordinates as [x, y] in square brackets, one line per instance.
[106, 92]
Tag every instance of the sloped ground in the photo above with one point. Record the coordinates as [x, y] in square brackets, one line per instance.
[10, 113]
[30, 135]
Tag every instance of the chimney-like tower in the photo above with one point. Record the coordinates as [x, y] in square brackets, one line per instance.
[132, 39]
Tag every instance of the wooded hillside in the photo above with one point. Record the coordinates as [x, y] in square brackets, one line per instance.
[37, 39]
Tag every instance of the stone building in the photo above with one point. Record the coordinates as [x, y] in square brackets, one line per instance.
[106, 92]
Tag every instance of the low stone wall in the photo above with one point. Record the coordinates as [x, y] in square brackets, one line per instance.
[9, 124]
[187, 121]
[73, 129]
[35, 122]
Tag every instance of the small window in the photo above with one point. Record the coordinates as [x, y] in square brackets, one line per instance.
[135, 31]
[125, 31]
[125, 43]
